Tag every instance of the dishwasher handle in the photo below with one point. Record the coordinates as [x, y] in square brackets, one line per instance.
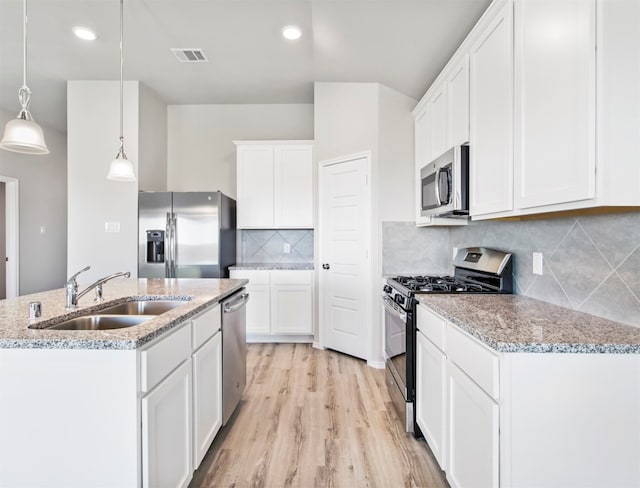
[230, 307]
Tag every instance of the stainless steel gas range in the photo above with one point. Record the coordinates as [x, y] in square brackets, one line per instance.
[477, 270]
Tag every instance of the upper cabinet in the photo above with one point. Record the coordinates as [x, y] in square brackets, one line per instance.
[441, 122]
[555, 109]
[490, 152]
[275, 184]
[552, 107]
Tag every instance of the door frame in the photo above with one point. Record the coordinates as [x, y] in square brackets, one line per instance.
[367, 271]
[12, 223]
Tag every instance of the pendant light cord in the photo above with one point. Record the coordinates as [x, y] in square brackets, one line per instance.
[24, 43]
[121, 75]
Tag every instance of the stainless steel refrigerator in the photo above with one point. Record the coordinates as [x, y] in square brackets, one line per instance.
[186, 234]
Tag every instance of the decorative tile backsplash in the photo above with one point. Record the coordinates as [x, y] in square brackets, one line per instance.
[267, 246]
[591, 263]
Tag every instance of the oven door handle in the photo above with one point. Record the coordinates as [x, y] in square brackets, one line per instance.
[390, 306]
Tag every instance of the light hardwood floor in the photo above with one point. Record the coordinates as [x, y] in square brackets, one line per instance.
[312, 418]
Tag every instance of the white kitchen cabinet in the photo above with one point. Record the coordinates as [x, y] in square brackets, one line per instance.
[259, 304]
[292, 302]
[256, 191]
[281, 303]
[555, 109]
[207, 398]
[275, 184]
[437, 110]
[166, 431]
[511, 418]
[491, 115]
[458, 103]
[431, 396]
[473, 434]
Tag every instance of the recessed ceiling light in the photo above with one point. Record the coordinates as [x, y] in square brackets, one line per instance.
[85, 33]
[291, 32]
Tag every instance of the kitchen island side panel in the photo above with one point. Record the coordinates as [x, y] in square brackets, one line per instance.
[50, 396]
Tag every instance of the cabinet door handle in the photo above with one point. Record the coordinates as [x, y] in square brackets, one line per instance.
[325, 266]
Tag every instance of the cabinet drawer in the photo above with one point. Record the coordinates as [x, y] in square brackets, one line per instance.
[163, 357]
[205, 326]
[432, 326]
[478, 362]
[255, 277]
[288, 277]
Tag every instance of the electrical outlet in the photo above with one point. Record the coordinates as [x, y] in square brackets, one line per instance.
[287, 248]
[112, 226]
[537, 263]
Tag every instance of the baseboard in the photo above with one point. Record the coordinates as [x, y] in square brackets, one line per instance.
[375, 364]
[259, 338]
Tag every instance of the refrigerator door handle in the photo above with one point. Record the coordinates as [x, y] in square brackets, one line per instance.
[174, 243]
[169, 247]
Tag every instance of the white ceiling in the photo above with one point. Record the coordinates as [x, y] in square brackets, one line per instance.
[401, 43]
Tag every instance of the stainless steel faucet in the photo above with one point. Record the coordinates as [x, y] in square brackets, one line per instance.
[73, 295]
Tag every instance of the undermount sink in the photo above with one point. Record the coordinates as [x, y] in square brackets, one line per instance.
[101, 322]
[141, 307]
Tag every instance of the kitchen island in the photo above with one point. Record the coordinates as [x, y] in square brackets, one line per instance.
[137, 406]
[515, 392]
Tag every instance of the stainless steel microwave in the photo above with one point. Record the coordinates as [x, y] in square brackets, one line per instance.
[445, 184]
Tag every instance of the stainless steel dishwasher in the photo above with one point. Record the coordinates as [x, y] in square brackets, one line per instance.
[234, 351]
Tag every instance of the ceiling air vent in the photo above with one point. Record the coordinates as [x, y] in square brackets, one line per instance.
[189, 55]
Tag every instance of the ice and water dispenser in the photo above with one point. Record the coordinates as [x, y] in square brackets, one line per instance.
[155, 246]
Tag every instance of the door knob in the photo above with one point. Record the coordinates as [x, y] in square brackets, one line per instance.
[325, 266]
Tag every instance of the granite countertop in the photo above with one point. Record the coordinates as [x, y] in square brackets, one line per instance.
[513, 323]
[197, 293]
[273, 266]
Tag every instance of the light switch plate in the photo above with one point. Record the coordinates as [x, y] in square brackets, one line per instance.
[112, 226]
[537, 263]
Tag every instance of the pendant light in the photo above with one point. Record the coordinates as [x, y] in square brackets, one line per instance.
[121, 169]
[22, 134]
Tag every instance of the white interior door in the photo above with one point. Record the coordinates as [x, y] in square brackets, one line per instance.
[344, 255]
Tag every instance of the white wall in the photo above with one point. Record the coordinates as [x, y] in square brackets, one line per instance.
[345, 119]
[152, 166]
[396, 156]
[93, 135]
[42, 184]
[201, 156]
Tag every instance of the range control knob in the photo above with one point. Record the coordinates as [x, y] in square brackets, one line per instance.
[399, 299]
[386, 289]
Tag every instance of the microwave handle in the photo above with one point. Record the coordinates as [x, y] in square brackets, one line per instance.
[438, 176]
[437, 185]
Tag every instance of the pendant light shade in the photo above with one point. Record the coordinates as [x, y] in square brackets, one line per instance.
[22, 134]
[121, 169]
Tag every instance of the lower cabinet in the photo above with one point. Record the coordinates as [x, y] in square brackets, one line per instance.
[473, 434]
[166, 431]
[281, 302]
[207, 398]
[182, 407]
[501, 419]
[431, 396]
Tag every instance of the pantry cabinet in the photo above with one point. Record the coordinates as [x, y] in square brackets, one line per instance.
[555, 109]
[281, 304]
[491, 116]
[274, 184]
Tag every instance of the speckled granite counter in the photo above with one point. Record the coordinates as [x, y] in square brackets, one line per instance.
[273, 266]
[513, 323]
[197, 293]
